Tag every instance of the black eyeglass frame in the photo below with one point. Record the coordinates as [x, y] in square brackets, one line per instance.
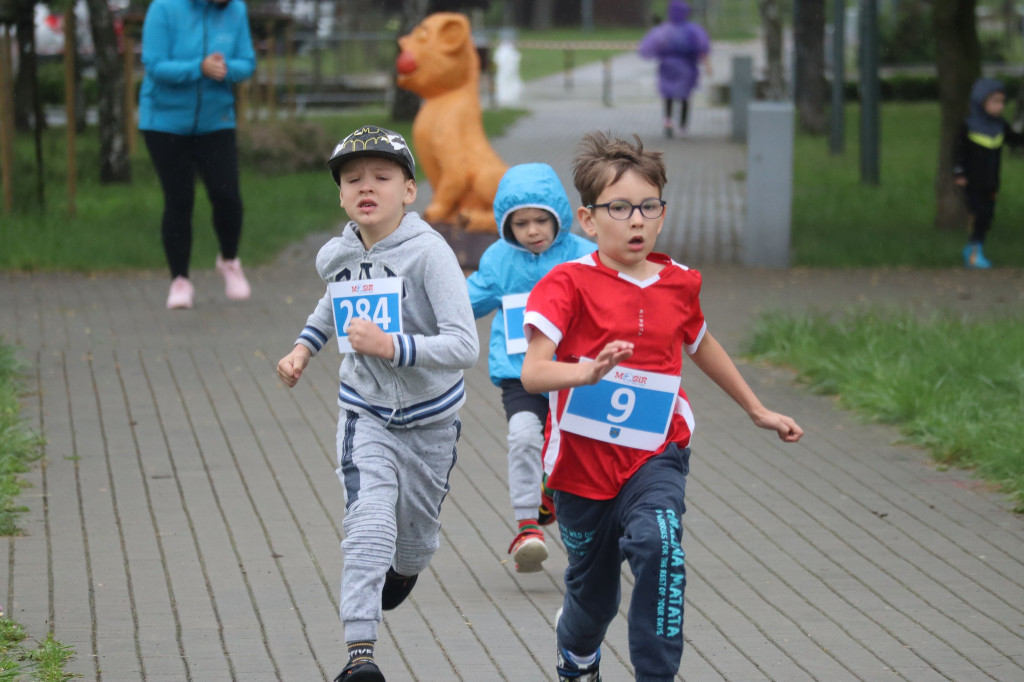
[632, 208]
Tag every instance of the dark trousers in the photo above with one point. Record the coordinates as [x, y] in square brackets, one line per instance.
[643, 526]
[684, 111]
[177, 159]
[981, 207]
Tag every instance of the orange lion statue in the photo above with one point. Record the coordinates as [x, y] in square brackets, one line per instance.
[439, 62]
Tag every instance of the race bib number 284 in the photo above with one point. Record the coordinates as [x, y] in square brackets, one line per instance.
[376, 300]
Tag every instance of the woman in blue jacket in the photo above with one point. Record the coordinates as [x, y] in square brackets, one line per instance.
[194, 51]
[534, 220]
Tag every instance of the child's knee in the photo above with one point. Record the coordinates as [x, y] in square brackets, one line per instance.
[412, 555]
[370, 531]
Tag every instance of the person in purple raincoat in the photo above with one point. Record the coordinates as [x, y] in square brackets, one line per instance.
[680, 46]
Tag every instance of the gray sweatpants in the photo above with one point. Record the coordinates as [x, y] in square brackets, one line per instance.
[395, 480]
[525, 468]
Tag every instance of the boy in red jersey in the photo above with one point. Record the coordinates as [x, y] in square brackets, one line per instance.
[617, 454]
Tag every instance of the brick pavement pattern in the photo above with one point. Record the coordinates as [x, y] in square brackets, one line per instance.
[186, 523]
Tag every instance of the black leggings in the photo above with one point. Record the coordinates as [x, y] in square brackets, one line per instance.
[177, 158]
[684, 111]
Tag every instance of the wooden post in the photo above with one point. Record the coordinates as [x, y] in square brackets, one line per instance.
[129, 92]
[569, 64]
[70, 54]
[271, 86]
[289, 66]
[606, 81]
[6, 118]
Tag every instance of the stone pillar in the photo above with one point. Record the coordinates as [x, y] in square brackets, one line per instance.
[769, 185]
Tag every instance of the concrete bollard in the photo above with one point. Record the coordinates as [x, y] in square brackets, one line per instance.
[769, 185]
[741, 94]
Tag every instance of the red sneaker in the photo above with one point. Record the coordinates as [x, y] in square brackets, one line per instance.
[528, 550]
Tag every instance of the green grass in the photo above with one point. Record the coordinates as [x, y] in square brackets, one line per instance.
[953, 387]
[19, 447]
[838, 222]
[22, 660]
[535, 63]
[118, 226]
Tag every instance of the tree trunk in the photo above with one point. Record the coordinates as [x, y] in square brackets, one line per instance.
[407, 104]
[809, 37]
[958, 62]
[543, 16]
[26, 82]
[115, 163]
[771, 24]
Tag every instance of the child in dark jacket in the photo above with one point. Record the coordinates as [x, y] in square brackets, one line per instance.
[976, 162]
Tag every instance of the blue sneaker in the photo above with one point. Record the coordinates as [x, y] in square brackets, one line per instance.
[570, 671]
[974, 257]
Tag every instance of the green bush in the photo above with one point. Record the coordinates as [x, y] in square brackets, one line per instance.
[282, 147]
[913, 87]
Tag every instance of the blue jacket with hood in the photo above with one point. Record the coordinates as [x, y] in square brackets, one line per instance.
[176, 36]
[508, 268]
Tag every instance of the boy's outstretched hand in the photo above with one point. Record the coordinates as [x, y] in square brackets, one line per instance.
[289, 368]
[788, 430]
[611, 355]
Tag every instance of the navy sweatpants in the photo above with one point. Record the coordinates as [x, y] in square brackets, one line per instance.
[641, 525]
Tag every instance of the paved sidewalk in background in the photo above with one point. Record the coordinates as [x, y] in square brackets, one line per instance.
[186, 523]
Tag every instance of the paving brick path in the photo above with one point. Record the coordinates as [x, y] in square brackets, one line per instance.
[186, 523]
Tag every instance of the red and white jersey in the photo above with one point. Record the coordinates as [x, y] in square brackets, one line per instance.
[582, 306]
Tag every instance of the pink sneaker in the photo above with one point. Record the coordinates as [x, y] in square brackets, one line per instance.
[236, 287]
[180, 295]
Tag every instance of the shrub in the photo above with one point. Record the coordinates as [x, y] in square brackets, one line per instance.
[282, 147]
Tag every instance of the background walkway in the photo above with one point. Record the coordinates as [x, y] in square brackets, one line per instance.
[186, 523]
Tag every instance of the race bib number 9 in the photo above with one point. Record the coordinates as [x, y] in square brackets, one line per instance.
[628, 407]
[376, 300]
[513, 307]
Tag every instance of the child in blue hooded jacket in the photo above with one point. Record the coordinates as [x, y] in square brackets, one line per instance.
[976, 161]
[534, 220]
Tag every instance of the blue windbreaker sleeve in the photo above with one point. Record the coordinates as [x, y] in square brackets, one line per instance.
[243, 62]
[157, 34]
[484, 291]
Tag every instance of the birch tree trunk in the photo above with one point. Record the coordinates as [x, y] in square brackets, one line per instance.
[115, 163]
[771, 24]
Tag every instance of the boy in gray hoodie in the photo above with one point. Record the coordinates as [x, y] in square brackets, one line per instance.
[406, 343]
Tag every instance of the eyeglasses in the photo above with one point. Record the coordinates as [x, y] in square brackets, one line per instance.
[620, 209]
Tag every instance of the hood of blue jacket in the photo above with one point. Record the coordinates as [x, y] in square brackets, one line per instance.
[531, 185]
[979, 120]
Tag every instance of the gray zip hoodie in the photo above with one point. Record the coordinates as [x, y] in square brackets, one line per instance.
[423, 383]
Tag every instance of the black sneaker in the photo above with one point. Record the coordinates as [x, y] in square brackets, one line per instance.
[396, 589]
[570, 672]
[360, 671]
